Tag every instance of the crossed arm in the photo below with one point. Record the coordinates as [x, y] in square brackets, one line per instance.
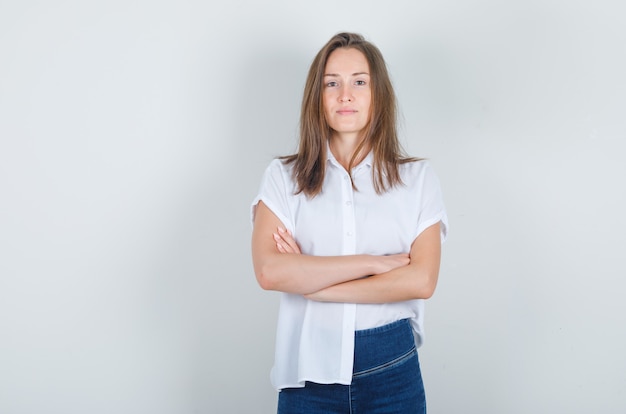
[279, 265]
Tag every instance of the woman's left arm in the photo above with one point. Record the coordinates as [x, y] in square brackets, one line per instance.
[417, 280]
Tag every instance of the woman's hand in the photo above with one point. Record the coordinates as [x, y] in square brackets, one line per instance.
[297, 272]
[285, 243]
[385, 264]
[413, 277]
[385, 279]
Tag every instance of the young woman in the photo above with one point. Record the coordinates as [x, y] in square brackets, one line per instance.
[350, 230]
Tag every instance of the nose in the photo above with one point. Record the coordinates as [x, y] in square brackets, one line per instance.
[345, 95]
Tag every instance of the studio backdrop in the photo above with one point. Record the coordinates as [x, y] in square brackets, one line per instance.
[133, 135]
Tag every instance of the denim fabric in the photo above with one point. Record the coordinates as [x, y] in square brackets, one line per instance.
[386, 379]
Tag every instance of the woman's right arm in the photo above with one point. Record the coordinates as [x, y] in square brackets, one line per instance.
[304, 274]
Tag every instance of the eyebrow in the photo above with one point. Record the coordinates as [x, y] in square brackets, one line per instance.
[354, 74]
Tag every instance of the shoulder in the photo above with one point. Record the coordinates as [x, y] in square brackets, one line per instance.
[414, 169]
[279, 175]
[419, 176]
[278, 167]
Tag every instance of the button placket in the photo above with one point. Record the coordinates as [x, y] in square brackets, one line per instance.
[349, 241]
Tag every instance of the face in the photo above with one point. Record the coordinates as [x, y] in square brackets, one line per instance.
[346, 92]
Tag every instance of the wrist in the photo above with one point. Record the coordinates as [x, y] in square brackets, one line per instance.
[373, 265]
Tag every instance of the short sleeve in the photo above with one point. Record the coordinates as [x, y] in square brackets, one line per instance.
[275, 191]
[432, 208]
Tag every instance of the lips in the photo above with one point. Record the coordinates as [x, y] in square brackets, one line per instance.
[346, 111]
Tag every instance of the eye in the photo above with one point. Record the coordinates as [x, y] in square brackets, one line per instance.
[360, 83]
[331, 84]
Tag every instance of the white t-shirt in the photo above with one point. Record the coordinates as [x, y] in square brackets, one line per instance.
[315, 340]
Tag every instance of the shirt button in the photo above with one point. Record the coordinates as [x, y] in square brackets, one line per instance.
[348, 203]
[349, 233]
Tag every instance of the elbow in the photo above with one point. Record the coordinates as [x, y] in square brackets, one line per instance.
[267, 277]
[272, 275]
[266, 282]
[426, 289]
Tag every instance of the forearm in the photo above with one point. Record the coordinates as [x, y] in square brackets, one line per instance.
[303, 274]
[416, 280]
[278, 264]
[404, 283]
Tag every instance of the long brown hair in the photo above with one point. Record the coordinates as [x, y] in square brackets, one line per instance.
[380, 134]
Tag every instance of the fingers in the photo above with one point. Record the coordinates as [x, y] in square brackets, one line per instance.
[392, 261]
[285, 243]
[281, 245]
[403, 259]
[288, 238]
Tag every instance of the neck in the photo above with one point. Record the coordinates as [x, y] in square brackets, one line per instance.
[343, 148]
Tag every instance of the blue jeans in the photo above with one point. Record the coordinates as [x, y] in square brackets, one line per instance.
[386, 379]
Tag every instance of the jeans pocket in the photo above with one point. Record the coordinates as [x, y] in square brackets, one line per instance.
[387, 365]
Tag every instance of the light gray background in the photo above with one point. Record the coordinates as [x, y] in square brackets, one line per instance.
[132, 139]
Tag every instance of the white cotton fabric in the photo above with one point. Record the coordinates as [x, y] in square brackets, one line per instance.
[315, 340]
